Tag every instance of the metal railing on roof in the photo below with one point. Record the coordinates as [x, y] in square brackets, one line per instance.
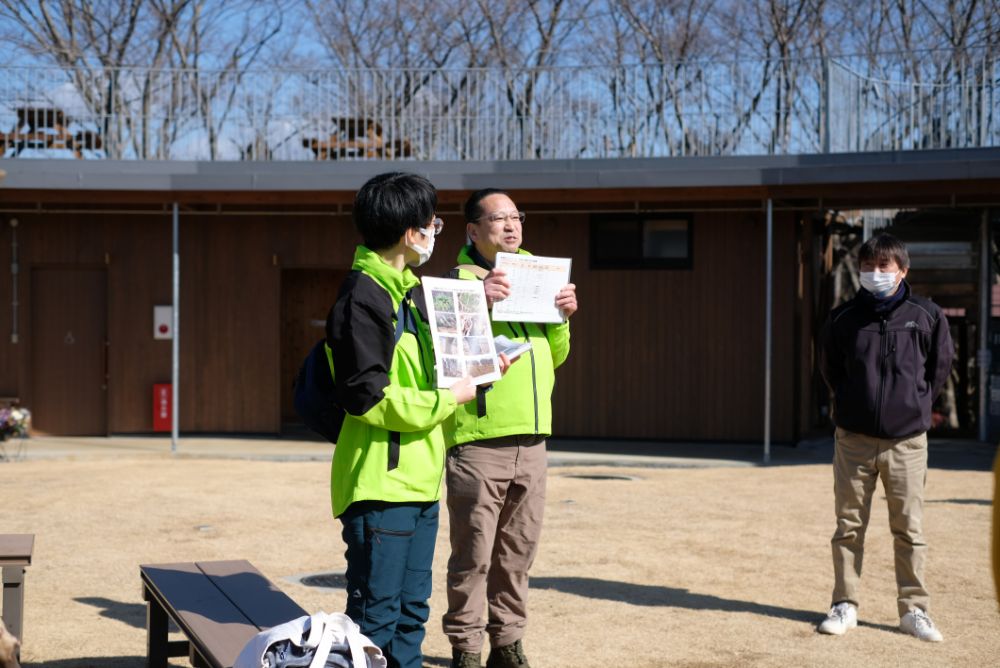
[764, 107]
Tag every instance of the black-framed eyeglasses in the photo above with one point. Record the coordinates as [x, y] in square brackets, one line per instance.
[503, 217]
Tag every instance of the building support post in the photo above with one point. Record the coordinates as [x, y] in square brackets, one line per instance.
[14, 271]
[176, 341]
[985, 303]
[827, 98]
[769, 297]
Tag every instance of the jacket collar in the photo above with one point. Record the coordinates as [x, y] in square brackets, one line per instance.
[887, 305]
[396, 283]
[471, 255]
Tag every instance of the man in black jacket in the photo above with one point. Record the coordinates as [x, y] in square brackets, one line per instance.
[885, 355]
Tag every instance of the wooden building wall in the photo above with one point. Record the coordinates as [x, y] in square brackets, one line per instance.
[229, 328]
[657, 354]
[677, 354]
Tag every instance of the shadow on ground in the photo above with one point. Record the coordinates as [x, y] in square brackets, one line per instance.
[672, 597]
[133, 614]
[943, 453]
[962, 502]
[960, 455]
[677, 454]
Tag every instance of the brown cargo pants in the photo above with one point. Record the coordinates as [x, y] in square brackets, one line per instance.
[496, 499]
[858, 462]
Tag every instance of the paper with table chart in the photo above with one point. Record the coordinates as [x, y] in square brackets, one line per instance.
[460, 328]
[534, 282]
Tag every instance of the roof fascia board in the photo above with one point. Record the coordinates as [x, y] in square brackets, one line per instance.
[637, 173]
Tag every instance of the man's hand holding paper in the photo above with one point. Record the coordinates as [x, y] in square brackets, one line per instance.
[566, 300]
[497, 286]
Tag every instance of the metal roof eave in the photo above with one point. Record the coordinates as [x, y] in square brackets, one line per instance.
[607, 174]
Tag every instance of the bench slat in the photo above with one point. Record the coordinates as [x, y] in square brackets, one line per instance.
[16, 549]
[219, 605]
[256, 596]
[213, 624]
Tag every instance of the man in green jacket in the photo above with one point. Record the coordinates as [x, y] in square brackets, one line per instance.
[389, 459]
[496, 470]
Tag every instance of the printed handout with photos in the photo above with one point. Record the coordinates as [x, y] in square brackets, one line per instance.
[534, 283]
[460, 326]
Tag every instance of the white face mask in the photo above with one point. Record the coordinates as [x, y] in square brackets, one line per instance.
[423, 252]
[878, 283]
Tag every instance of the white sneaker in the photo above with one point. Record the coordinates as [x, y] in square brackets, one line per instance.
[841, 617]
[918, 624]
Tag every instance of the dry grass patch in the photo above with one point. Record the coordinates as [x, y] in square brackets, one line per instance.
[678, 567]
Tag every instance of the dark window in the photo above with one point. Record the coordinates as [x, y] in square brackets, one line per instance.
[640, 241]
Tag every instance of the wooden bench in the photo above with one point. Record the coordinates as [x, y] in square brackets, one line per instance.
[15, 555]
[217, 605]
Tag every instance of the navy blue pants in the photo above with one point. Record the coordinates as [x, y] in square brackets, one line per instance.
[390, 547]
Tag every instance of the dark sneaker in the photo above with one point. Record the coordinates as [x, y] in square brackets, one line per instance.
[461, 659]
[508, 656]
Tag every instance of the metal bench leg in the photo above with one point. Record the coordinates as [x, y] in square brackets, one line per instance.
[156, 634]
[13, 600]
[159, 648]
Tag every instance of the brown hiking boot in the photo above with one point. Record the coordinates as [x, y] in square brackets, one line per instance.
[508, 656]
[460, 659]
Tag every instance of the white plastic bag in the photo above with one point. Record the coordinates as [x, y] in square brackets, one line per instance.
[323, 635]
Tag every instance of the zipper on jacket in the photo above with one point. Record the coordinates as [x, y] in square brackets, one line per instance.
[534, 380]
[421, 353]
[881, 377]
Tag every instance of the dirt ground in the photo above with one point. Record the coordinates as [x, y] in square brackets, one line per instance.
[676, 567]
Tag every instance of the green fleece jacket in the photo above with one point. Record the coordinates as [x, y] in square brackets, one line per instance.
[521, 402]
[385, 387]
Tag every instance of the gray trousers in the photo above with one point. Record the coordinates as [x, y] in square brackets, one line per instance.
[496, 499]
[858, 462]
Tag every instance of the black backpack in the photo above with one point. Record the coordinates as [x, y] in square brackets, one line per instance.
[315, 388]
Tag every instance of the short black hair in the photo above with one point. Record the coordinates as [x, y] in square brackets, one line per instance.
[884, 247]
[473, 211]
[389, 204]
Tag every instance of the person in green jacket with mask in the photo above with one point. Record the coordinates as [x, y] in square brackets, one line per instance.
[389, 460]
[496, 470]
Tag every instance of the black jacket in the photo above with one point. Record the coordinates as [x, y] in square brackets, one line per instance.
[886, 369]
[360, 332]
